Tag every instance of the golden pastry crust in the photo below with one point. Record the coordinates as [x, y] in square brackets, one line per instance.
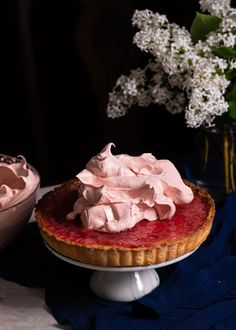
[115, 256]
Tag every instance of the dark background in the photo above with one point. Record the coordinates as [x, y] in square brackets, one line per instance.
[60, 61]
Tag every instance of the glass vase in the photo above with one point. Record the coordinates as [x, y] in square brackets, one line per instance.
[216, 160]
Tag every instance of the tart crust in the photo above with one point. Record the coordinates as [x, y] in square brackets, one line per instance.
[53, 204]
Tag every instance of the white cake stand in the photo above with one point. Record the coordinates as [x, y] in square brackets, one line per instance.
[122, 283]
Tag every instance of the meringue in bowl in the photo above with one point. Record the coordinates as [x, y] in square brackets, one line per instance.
[19, 183]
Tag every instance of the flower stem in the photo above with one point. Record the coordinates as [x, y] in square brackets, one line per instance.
[226, 162]
[231, 165]
[206, 152]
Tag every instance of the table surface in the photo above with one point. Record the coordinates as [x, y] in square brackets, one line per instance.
[23, 306]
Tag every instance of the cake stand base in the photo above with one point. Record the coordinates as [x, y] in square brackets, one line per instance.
[122, 284]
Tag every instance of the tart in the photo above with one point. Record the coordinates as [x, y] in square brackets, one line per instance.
[145, 244]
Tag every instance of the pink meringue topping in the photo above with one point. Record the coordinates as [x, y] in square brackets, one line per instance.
[118, 191]
[17, 180]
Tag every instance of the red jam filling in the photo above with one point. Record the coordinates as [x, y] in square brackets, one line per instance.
[187, 219]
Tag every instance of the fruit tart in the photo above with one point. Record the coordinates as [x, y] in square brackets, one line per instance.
[125, 211]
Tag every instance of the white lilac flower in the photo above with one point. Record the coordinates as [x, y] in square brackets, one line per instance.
[232, 64]
[168, 42]
[146, 18]
[204, 105]
[225, 35]
[210, 72]
[134, 89]
[176, 103]
[182, 76]
[128, 91]
[215, 7]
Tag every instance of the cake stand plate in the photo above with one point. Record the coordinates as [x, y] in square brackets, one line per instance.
[122, 283]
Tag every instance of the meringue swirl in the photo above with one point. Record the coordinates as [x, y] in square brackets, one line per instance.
[17, 180]
[118, 191]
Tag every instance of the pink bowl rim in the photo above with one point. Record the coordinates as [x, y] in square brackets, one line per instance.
[31, 194]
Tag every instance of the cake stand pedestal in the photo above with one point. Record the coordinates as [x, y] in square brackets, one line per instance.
[122, 283]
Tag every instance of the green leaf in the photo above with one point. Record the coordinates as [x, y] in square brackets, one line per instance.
[231, 94]
[232, 109]
[202, 25]
[225, 52]
[230, 74]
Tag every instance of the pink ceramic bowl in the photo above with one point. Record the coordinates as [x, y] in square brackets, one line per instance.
[13, 218]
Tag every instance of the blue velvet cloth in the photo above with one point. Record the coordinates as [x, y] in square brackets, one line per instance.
[198, 292]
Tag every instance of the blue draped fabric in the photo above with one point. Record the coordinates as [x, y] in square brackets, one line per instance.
[198, 292]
